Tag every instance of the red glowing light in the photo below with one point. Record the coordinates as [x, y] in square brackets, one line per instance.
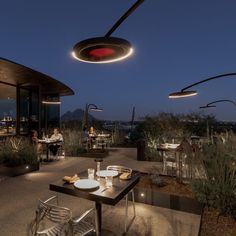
[102, 52]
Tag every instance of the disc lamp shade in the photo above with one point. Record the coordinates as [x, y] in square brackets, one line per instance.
[207, 106]
[102, 50]
[96, 109]
[182, 94]
[105, 49]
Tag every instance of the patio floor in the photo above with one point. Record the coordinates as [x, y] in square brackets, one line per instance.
[18, 197]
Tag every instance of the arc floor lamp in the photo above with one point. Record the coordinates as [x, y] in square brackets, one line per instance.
[189, 93]
[105, 49]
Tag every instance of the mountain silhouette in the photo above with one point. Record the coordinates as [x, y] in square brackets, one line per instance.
[77, 114]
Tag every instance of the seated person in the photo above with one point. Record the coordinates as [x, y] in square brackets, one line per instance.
[37, 145]
[92, 135]
[92, 132]
[56, 136]
[85, 137]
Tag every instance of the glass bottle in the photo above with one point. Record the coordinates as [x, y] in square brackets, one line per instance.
[98, 169]
[98, 161]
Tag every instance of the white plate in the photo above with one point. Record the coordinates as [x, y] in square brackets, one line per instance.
[104, 173]
[86, 184]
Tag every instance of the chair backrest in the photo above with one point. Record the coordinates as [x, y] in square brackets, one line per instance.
[55, 213]
[120, 169]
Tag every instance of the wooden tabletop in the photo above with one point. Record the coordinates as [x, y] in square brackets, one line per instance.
[110, 196]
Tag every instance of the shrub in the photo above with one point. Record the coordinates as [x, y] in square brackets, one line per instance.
[73, 143]
[218, 186]
[17, 151]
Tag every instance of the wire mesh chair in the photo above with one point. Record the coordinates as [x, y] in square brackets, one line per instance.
[61, 221]
[124, 169]
[169, 160]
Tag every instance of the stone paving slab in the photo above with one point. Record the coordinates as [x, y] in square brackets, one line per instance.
[19, 196]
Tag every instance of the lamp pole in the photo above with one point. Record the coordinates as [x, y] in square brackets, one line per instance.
[126, 14]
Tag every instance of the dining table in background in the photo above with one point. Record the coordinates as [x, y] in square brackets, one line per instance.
[47, 143]
[100, 195]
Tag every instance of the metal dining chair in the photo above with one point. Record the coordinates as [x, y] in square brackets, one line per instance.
[61, 221]
[121, 170]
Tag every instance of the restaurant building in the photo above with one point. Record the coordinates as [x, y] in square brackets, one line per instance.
[29, 100]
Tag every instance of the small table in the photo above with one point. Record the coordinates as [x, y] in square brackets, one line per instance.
[47, 142]
[110, 196]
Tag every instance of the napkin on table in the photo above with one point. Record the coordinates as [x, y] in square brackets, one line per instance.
[70, 179]
[125, 176]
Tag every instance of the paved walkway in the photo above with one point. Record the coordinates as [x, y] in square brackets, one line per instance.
[18, 199]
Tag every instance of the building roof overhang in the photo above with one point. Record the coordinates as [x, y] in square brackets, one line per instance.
[16, 74]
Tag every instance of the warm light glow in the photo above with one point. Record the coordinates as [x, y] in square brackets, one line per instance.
[102, 52]
[51, 102]
[106, 61]
[27, 167]
[142, 194]
[182, 94]
[96, 109]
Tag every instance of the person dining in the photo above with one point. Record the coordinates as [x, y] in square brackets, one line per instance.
[93, 136]
[56, 136]
[85, 138]
[92, 132]
[35, 141]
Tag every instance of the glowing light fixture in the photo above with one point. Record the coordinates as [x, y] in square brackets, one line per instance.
[105, 49]
[209, 105]
[188, 93]
[52, 102]
[183, 94]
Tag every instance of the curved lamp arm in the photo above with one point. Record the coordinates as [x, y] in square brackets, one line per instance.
[210, 78]
[93, 107]
[117, 24]
[217, 101]
[184, 93]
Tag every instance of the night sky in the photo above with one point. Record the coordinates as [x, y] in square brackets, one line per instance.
[176, 43]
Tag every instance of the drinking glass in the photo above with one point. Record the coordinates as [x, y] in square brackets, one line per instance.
[109, 180]
[98, 170]
[91, 173]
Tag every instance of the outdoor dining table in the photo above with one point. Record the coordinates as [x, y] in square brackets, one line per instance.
[48, 142]
[100, 195]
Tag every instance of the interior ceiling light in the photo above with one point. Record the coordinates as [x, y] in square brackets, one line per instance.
[52, 102]
[105, 49]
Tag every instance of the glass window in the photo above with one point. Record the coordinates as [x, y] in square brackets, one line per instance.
[34, 111]
[24, 110]
[7, 109]
[51, 114]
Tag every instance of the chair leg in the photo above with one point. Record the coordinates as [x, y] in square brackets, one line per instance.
[126, 212]
[126, 208]
[132, 192]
